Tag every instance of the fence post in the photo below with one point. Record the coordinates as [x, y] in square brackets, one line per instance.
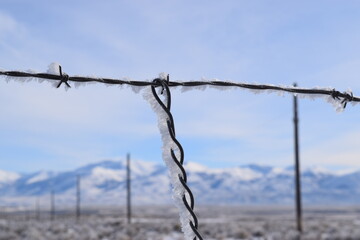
[37, 209]
[78, 199]
[128, 186]
[52, 205]
[297, 167]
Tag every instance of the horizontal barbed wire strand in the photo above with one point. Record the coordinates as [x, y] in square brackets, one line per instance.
[346, 96]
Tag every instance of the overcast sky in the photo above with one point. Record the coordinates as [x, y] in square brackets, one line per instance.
[313, 43]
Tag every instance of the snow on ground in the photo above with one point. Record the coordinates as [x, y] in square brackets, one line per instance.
[161, 223]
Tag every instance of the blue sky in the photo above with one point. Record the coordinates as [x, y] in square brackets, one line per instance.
[276, 42]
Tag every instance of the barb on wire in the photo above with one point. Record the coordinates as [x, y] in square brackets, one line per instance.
[64, 78]
[342, 97]
[182, 177]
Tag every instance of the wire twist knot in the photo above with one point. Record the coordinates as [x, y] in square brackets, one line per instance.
[348, 97]
[64, 78]
[335, 94]
[179, 158]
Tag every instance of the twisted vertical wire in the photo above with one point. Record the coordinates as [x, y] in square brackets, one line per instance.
[193, 223]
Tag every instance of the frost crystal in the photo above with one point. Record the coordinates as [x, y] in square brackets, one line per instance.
[338, 103]
[173, 169]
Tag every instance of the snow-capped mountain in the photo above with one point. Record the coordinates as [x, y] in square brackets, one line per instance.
[105, 182]
[7, 178]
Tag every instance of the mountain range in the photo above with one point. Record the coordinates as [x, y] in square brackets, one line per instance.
[105, 183]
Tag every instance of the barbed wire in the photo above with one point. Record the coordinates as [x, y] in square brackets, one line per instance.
[342, 97]
[175, 150]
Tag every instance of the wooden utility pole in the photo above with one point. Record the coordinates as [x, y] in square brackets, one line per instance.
[78, 198]
[297, 167]
[128, 188]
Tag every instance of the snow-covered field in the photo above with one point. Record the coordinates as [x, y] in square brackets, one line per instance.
[161, 223]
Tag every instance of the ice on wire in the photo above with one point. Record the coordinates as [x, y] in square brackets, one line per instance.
[338, 103]
[173, 169]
